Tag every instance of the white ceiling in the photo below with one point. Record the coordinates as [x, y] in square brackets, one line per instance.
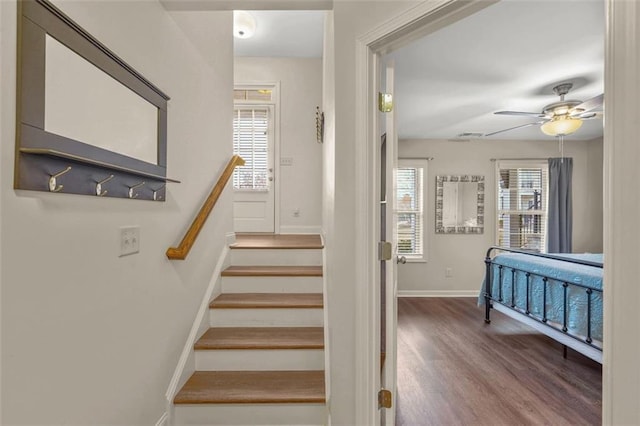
[284, 33]
[506, 57]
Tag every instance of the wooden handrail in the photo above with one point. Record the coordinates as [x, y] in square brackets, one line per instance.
[181, 252]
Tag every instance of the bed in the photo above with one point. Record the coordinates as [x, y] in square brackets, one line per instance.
[558, 294]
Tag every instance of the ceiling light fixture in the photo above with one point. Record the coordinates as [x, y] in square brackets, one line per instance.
[561, 126]
[244, 24]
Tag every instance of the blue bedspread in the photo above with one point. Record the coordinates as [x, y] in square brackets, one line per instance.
[558, 272]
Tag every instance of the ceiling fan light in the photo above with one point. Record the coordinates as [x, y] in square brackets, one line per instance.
[561, 126]
[244, 24]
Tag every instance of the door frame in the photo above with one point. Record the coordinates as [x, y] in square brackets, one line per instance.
[275, 102]
[417, 22]
[388, 371]
[621, 68]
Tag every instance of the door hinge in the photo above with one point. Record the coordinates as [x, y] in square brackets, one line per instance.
[385, 102]
[385, 250]
[384, 398]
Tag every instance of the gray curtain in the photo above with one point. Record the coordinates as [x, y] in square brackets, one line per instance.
[560, 223]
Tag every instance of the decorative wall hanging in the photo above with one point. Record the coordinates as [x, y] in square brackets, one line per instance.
[460, 204]
[319, 125]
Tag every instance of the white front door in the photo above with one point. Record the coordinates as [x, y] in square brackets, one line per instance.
[253, 190]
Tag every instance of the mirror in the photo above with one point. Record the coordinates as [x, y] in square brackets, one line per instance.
[84, 115]
[86, 104]
[460, 204]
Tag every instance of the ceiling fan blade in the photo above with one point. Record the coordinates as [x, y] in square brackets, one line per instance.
[590, 115]
[516, 127]
[589, 104]
[528, 114]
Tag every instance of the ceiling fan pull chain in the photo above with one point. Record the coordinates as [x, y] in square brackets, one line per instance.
[561, 148]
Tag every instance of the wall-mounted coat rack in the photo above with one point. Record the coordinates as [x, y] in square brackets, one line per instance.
[88, 123]
[52, 171]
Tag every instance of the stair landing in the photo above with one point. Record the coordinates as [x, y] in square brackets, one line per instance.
[253, 387]
[277, 241]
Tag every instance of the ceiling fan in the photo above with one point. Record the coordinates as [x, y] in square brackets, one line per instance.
[559, 118]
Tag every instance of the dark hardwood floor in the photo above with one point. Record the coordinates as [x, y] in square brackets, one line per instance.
[453, 369]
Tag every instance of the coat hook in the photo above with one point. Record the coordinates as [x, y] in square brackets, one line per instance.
[53, 184]
[157, 197]
[99, 191]
[131, 188]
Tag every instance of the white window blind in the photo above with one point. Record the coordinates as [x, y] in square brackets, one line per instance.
[409, 188]
[522, 205]
[250, 141]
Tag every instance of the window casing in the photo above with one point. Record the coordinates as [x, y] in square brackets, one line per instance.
[410, 193]
[522, 188]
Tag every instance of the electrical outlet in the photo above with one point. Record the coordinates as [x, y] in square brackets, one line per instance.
[286, 161]
[129, 240]
[448, 272]
[296, 212]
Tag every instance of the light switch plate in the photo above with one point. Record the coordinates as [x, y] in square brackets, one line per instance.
[129, 240]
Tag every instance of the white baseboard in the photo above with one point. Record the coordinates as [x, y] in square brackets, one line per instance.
[293, 229]
[164, 420]
[230, 238]
[179, 375]
[438, 293]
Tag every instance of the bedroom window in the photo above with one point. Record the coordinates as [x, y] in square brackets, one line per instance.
[522, 204]
[251, 130]
[410, 196]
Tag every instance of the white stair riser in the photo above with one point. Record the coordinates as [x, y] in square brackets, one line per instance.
[250, 414]
[272, 284]
[303, 317]
[259, 359]
[288, 257]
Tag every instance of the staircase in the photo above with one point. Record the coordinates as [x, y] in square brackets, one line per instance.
[262, 360]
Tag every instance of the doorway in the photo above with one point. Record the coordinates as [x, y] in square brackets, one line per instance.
[368, 60]
[255, 140]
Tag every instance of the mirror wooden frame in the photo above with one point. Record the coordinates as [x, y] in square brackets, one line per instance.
[440, 228]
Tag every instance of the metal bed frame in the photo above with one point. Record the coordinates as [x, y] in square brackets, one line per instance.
[559, 332]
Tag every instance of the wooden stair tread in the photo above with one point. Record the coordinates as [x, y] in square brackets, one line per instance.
[277, 241]
[273, 271]
[253, 387]
[262, 338]
[267, 300]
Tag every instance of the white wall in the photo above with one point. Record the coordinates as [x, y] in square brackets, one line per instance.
[300, 92]
[89, 337]
[464, 254]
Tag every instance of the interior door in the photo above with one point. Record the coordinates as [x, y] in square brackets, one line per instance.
[253, 184]
[388, 272]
